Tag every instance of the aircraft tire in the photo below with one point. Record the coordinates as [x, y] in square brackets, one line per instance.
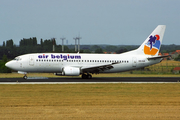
[25, 77]
[84, 76]
[89, 76]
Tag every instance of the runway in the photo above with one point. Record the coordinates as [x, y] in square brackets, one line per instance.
[43, 80]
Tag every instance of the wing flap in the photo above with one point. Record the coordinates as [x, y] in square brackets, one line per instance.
[97, 68]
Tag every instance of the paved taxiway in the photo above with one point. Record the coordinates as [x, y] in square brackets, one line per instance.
[93, 80]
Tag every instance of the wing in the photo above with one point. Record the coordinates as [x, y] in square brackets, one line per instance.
[97, 68]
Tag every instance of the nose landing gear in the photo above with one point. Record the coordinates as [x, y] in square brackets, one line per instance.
[25, 76]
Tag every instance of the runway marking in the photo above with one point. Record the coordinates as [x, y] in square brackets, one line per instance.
[28, 78]
[84, 82]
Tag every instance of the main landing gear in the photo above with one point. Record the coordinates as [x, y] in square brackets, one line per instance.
[86, 76]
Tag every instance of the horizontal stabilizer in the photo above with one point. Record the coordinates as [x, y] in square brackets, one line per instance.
[154, 58]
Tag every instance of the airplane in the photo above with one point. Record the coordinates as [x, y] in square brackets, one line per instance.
[75, 64]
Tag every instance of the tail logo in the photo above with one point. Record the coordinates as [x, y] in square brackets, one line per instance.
[153, 45]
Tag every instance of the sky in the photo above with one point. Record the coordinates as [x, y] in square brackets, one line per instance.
[113, 22]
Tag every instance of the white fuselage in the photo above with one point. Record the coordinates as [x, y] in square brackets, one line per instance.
[55, 62]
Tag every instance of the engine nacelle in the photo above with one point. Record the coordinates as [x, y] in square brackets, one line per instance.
[71, 71]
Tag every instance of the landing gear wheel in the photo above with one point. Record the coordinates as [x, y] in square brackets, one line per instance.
[88, 76]
[25, 77]
[84, 76]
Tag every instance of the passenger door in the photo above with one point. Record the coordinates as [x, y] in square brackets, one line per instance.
[134, 61]
[31, 60]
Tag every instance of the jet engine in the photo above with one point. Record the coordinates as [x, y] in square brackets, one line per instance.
[71, 71]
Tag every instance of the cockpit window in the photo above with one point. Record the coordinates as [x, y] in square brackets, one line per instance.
[17, 58]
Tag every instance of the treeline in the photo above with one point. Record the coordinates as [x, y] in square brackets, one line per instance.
[3, 68]
[31, 45]
[26, 46]
[169, 48]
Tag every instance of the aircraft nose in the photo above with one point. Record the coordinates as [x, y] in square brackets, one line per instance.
[9, 64]
[13, 65]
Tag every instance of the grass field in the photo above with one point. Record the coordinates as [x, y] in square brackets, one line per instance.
[94, 101]
[90, 101]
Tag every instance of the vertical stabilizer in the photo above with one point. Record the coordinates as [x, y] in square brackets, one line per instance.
[152, 44]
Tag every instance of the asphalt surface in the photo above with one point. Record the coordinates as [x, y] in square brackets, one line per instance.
[95, 79]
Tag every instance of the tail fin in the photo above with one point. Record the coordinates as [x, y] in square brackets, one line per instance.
[152, 44]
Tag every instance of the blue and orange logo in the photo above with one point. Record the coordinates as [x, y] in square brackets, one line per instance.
[153, 45]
